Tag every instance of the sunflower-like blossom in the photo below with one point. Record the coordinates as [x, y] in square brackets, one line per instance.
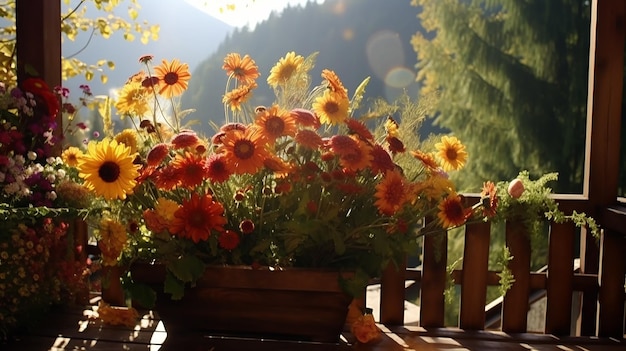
[108, 169]
[173, 78]
[452, 153]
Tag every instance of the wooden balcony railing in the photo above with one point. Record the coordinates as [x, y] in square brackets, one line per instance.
[600, 280]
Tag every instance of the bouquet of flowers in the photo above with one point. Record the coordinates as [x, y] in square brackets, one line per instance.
[37, 255]
[311, 179]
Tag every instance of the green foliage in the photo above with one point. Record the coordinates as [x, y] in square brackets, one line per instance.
[536, 205]
[505, 274]
[513, 82]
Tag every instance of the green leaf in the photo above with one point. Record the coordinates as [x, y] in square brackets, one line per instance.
[340, 245]
[187, 269]
[143, 294]
[174, 286]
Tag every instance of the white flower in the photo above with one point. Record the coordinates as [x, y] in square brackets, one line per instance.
[19, 160]
[61, 173]
[12, 188]
[51, 195]
[32, 155]
[51, 178]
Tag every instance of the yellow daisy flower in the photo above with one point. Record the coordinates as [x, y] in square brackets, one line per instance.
[452, 153]
[284, 69]
[128, 137]
[71, 155]
[112, 240]
[332, 108]
[132, 100]
[108, 169]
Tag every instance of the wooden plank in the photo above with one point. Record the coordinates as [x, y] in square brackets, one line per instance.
[560, 278]
[432, 304]
[515, 305]
[611, 296]
[392, 294]
[474, 276]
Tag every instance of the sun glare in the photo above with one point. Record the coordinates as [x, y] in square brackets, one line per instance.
[240, 13]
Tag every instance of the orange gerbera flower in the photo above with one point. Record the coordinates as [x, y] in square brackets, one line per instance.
[343, 145]
[391, 193]
[191, 169]
[359, 159]
[452, 153]
[275, 122]
[452, 213]
[245, 151]
[359, 128]
[243, 69]
[309, 139]
[237, 96]
[306, 118]
[173, 78]
[489, 197]
[381, 160]
[332, 108]
[428, 160]
[228, 240]
[166, 178]
[185, 139]
[217, 170]
[334, 83]
[198, 217]
[395, 145]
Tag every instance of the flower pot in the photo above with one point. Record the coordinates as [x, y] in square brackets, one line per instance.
[290, 304]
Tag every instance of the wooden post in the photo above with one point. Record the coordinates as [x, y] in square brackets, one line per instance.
[39, 40]
[608, 32]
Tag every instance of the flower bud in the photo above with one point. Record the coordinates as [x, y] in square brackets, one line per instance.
[516, 188]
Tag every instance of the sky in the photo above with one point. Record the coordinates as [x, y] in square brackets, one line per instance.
[245, 12]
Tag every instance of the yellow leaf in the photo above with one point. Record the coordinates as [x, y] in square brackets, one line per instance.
[129, 36]
[104, 78]
[89, 75]
[111, 64]
[133, 13]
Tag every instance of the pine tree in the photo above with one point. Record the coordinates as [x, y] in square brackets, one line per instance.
[512, 80]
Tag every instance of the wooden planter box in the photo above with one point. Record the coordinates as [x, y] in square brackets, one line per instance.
[292, 304]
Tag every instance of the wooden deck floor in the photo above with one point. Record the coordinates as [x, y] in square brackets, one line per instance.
[73, 330]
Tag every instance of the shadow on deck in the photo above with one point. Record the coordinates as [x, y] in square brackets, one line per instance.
[72, 329]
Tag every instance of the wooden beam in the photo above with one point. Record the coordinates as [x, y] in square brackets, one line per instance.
[39, 40]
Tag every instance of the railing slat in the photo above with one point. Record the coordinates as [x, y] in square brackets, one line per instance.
[392, 294]
[560, 279]
[611, 277]
[433, 281]
[474, 276]
[589, 258]
[515, 305]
